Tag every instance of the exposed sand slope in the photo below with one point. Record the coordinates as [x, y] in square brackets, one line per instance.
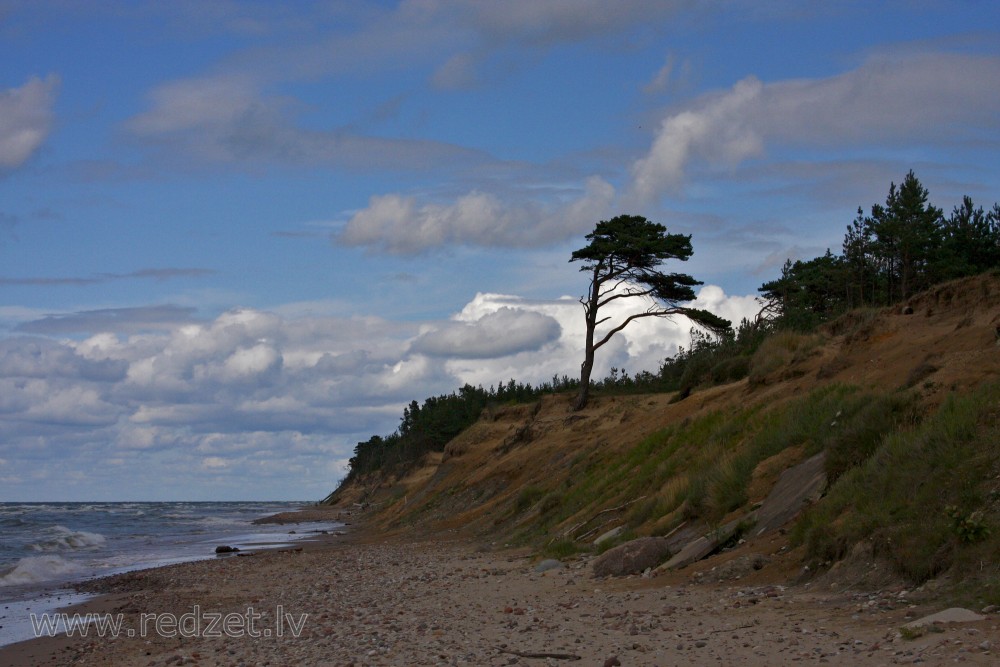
[947, 343]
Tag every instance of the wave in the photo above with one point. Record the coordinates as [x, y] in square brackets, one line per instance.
[33, 569]
[60, 538]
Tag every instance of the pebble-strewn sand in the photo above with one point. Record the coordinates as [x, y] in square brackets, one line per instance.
[450, 604]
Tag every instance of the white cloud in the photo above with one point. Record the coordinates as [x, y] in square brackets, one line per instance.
[734, 308]
[641, 346]
[198, 103]
[253, 361]
[230, 119]
[668, 77]
[717, 130]
[75, 405]
[496, 334]
[214, 462]
[924, 98]
[233, 114]
[403, 225]
[196, 396]
[25, 119]
[545, 24]
[457, 72]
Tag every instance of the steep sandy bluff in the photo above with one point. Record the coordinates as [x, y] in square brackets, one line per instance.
[502, 478]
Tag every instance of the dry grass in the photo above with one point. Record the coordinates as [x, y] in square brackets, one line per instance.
[775, 357]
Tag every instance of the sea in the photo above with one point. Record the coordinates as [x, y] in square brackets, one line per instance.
[46, 547]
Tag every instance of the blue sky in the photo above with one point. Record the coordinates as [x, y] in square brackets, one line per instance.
[237, 237]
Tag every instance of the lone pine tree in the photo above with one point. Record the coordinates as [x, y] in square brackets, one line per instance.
[623, 258]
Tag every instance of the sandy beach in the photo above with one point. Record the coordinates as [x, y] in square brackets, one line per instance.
[358, 600]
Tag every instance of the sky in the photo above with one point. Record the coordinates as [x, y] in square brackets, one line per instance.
[236, 238]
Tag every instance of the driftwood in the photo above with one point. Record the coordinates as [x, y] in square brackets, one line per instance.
[554, 656]
[596, 528]
[743, 626]
[611, 509]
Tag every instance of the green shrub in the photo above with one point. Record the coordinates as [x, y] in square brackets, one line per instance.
[967, 527]
[728, 486]
[905, 498]
[857, 431]
[562, 548]
[730, 370]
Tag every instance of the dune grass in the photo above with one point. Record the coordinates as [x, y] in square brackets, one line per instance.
[927, 499]
[701, 469]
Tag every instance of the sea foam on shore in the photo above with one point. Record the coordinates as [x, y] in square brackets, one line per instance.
[47, 546]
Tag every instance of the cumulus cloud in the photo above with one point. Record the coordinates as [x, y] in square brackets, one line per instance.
[401, 224]
[257, 395]
[497, 334]
[26, 357]
[110, 319]
[25, 119]
[732, 307]
[641, 346]
[927, 97]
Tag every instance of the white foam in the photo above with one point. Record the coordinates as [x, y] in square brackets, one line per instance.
[60, 538]
[34, 569]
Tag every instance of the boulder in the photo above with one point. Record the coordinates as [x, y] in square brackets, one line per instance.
[632, 557]
[737, 568]
[702, 546]
[797, 487]
[224, 549]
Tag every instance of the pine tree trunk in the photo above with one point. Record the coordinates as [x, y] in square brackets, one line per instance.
[585, 369]
[590, 307]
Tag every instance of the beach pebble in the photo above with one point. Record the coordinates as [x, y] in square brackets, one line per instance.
[548, 564]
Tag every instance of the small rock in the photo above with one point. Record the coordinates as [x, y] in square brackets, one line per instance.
[613, 661]
[548, 564]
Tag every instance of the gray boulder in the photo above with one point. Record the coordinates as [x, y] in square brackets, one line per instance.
[632, 557]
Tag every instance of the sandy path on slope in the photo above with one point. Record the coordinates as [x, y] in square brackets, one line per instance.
[434, 603]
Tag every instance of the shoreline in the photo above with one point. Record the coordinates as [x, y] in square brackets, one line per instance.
[88, 595]
[368, 599]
